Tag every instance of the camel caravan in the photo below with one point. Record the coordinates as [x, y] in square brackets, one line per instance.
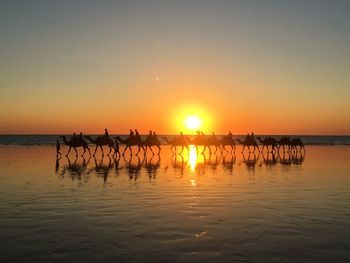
[199, 140]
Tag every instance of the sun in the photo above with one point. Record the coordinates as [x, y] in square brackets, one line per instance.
[193, 122]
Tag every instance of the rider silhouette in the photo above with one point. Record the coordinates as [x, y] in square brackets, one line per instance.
[106, 133]
[137, 133]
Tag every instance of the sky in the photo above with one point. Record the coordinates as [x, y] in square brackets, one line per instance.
[272, 67]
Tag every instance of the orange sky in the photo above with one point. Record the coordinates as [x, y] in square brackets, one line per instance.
[85, 67]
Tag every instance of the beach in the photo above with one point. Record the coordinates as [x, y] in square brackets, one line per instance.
[175, 208]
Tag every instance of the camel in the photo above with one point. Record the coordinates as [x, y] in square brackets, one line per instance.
[248, 141]
[150, 141]
[177, 141]
[229, 141]
[268, 141]
[131, 141]
[74, 143]
[198, 140]
[213, 141]
[99, 141]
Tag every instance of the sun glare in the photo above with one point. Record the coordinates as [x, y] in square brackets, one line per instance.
[193, 122]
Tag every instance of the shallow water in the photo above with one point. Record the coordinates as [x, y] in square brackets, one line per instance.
[183, 208]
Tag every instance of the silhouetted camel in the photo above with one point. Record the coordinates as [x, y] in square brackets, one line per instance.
[77, 142]
[131, 141]
[212, 140]
[248, 141]
[99, 141]
[199, 140]
[268, 141]
[177, 141]
[227, 140]
[152, 140]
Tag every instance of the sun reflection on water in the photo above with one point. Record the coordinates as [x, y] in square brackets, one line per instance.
[192, 157]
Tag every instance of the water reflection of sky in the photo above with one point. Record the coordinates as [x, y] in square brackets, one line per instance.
[179, 204]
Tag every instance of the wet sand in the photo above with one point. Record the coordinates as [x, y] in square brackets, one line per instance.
[183, 208]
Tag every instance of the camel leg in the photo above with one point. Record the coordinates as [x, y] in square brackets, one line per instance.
[110, 149]
[138, 150]
[95, 150]
[182, 149]
[231, 148]
[124, 150]
[102, 150]
[76, 152]
[150, 149]
[70, 147]
[84, 151]
[158, 149]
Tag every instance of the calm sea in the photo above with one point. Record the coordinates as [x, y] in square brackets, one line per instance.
[51, 139]
[189, 207]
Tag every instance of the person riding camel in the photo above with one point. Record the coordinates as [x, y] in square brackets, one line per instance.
[137, 135]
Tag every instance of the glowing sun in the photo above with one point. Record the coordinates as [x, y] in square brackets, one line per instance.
[193, 122]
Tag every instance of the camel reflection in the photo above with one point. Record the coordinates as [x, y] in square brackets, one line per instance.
[117, 167]
[152, 165]
[178, 165]
[251, 161]
[132, 167]
[74, 168]
[298, 157]
[270, 159]
[293, 157]
[101, 168]
[228, 162]
[57, 164]
[213, 161]
[285, 158]
[189, 162]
